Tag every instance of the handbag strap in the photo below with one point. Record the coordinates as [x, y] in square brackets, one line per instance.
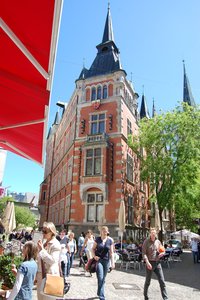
[43, 269]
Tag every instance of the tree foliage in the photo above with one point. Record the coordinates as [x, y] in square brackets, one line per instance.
[24, 217]
[171, 156]
[3, 203]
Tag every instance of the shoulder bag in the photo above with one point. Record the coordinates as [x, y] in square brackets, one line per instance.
[54, 285]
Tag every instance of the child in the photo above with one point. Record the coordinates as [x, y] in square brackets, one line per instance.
[25, 275]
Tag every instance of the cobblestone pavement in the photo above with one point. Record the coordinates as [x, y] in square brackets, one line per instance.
[182, 281]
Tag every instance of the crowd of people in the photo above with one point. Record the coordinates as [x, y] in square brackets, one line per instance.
[54, 254]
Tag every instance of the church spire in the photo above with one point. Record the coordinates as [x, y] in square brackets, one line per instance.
[144, 113]
[108, 34]
[153, 109]
[107, 59]
[187, 93]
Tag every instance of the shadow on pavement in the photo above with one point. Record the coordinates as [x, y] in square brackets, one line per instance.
[93, 298]
[184, 272]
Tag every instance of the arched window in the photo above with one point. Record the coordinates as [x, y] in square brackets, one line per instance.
[105, 92]
[93, 94]
[99, 92]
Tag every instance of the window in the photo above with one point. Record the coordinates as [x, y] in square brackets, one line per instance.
[105, 92]
[99, 92]
[44, 196]
[130, 209]
[93, 162]
[97, 124]
[93, 94]
[129, 166]
[94, 207]
[129, 127]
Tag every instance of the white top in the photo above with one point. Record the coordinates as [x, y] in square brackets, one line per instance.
[72, 245]
[90, 243]
[63, 256]
[16, 288]
[194, 245]
[50, 257]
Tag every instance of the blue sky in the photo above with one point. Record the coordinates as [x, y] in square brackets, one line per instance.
[153, 37]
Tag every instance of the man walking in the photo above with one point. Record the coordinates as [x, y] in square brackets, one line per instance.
[152, 251]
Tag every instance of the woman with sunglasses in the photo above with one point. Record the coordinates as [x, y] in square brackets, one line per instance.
[48, 255]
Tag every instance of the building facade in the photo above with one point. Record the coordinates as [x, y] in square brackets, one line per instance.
[89, 167]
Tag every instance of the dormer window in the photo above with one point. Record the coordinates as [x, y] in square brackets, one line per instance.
[105, 49]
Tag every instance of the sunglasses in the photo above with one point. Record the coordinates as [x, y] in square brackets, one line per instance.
[45, 231]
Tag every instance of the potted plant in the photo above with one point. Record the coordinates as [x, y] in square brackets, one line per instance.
[6, 277]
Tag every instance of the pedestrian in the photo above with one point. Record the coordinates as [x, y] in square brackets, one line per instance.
[48, 256]
[152, 251]
[64, 241]
[72, 247]
[80, 245]
[25, 275]
[195, 252]
[103, 250]
[88, 244]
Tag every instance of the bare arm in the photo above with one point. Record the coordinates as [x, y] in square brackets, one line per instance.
[112, 256]
[84, 245]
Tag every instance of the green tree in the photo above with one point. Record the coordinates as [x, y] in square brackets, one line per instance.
[171, 156]
[24, 217]
[3, 203]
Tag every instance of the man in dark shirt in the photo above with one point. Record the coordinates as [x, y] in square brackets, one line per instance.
[152, 251]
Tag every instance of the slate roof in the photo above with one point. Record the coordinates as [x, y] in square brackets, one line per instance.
[107, 59]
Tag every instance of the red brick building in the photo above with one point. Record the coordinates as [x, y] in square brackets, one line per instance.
[89, 166]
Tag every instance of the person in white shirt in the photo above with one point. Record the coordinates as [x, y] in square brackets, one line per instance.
[194, 248]
[72, 247]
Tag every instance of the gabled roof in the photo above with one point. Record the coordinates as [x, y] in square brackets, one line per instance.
[187, 92]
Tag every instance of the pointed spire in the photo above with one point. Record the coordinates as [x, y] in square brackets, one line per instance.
[107, 59]
[144, 113]
[108, 34]
[57, 119]
[187, 92]
[153, 110]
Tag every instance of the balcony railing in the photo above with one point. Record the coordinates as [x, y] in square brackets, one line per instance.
[101, 137]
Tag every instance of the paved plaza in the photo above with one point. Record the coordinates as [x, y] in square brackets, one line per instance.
[182, 280]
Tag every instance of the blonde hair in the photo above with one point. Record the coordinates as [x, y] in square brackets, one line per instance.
[51, 227]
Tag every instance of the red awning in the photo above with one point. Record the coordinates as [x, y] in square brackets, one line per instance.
[28, 42]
